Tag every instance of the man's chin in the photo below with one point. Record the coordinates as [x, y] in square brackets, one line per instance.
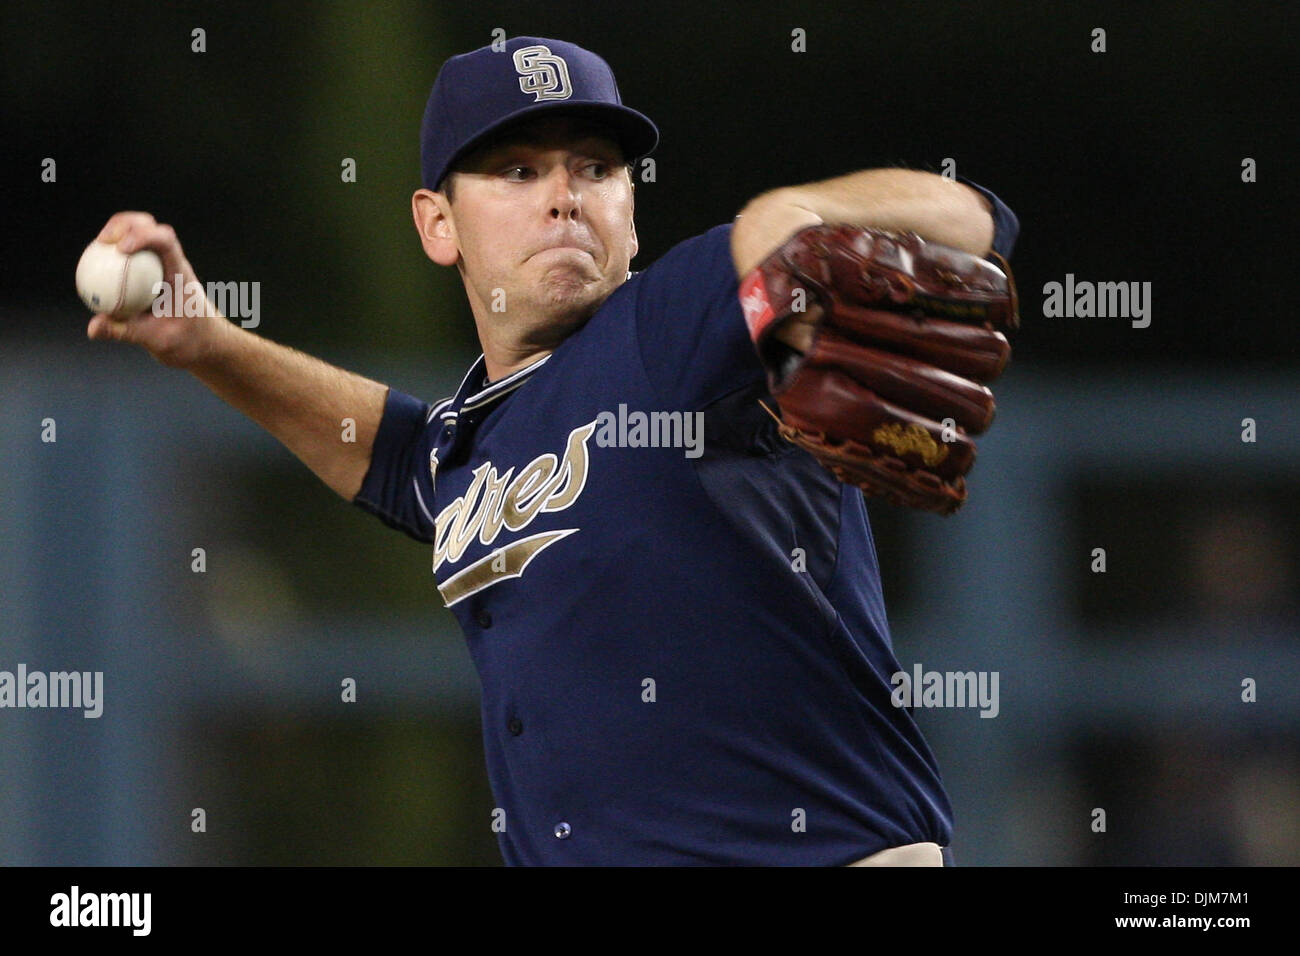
[567, 288]
[569, 304]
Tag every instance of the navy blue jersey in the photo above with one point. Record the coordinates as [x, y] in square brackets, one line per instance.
[682, 643]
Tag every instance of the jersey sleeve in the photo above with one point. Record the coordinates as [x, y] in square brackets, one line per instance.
[694, 344]
[390, 490]
[1006, 226]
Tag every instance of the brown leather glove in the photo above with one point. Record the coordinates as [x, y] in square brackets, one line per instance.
[904, 331]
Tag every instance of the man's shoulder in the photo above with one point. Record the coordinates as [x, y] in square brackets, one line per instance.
[719, 235]
[702, 254]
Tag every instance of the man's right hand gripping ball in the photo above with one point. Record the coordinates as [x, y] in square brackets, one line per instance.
[903, 334]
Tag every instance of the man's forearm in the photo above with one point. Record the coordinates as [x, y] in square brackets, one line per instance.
[938, 209]
[299, 399]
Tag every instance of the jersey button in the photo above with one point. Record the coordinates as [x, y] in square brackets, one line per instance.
[483, 619]
[515, 726]
[448, 432]
[562, 831]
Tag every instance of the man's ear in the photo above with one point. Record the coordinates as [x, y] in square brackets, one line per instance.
[433, 221]
[635, 244]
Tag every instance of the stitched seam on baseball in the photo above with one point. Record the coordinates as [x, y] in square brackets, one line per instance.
[121, 288]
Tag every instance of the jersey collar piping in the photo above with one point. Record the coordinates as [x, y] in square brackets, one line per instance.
[485, 395]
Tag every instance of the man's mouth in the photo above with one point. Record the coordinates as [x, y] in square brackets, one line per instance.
[560, 251]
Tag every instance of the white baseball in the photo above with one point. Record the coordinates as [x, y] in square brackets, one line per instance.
[121, 285]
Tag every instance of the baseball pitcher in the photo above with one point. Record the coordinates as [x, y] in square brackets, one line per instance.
[645, 498]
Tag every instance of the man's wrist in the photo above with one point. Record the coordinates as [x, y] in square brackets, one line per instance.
[214, 343]
[903, 200]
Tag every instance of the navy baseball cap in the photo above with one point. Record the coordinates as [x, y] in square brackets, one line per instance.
[481, 93]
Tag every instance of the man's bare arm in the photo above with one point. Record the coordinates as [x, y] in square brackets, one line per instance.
[299, 399]
[938, 209]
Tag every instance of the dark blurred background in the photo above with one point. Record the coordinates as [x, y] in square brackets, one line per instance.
[1121, 690]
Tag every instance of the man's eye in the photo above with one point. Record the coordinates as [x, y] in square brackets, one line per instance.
[522, 170]
[599, 170]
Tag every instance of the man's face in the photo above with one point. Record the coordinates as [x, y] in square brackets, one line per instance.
[544, 215]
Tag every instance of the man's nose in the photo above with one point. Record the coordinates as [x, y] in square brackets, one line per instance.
[563, 196]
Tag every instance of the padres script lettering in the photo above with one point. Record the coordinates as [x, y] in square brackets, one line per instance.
[493, 501]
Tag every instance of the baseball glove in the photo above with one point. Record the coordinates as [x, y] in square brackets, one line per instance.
[903, 333]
